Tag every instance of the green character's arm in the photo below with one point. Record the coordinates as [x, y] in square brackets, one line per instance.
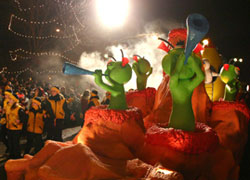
[136, 70]
[199, 77]
[150, 72]
[174, 75]
[99, 82]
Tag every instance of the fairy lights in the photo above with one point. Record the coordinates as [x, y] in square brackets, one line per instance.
[61, 31]
[32, 71]
[45, 53]
[27, 9]
[43, 37]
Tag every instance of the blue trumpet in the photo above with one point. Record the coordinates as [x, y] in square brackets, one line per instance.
[197, 28]
[71, 69]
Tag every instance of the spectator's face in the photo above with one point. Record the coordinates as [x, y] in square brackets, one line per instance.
[53, 92]
[36, 92]
[35, 106]
[11, 101]
[6, 96]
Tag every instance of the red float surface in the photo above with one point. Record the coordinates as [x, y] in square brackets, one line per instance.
[204, 139]
[144, 99]
[229, 105]
[116, 116]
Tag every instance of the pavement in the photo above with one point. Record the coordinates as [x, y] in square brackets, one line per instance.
[67, 135]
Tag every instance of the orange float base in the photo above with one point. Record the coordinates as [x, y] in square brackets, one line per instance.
[230, 121]
[194, 154]
[144, 100]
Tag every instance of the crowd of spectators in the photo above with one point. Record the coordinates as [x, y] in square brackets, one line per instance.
[37, 111]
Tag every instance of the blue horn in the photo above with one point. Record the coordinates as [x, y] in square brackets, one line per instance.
[71, 69]
[197, 28]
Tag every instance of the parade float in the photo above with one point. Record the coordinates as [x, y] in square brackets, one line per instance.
[214, 88]
[143, 97]
[115, 142]
[230, 115]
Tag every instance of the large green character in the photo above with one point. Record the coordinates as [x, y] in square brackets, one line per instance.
[117, 74]
[142, 70]
[183, 80]
[229, 75]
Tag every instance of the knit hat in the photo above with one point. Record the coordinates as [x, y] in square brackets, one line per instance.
[8, 92]
[94, 92]
[55, 88]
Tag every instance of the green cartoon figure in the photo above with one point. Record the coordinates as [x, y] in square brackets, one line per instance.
[229, 75]
[143, 70]
[184, 78]
[117, 74]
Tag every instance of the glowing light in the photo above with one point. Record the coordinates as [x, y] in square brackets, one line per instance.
[106, 56]
[240, 60]
[155, 37]
[113, 13]
[205, 42]
[163, 171]
[235, 59]
[57, 30]
[247, 88]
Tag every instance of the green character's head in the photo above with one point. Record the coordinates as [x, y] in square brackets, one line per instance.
[142, 63]
[169, 62]
[118, 72]
[229, 73]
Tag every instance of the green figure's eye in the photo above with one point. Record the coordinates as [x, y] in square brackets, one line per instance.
[110, 65]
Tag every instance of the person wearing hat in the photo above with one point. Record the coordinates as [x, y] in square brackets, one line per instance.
[15, 116]
[56, 106]
[35, 126]
[94, 99]
[106, 99]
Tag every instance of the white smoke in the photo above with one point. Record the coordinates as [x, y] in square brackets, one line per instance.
[145, 46]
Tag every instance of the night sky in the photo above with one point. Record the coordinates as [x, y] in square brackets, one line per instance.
[229, 25]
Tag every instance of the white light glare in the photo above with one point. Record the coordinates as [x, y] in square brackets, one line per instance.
[112, 12]
[57, 30]
[106, 56]
[240, 60]
[205, 42]
[155, 37]
[235, 59]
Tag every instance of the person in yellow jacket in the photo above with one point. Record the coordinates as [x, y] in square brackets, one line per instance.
[94, 99]
[4, 136]
[106, 99]
[56, 106]
[15, 116]
[35, 126]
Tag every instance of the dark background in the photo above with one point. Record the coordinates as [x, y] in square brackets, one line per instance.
[229, 27]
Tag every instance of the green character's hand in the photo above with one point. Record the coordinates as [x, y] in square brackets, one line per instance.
[117, 74]
[142, 70]
[183, 80]
[98, 76]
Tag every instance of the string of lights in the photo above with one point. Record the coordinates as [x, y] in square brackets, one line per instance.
[41, 37]
[27, 9]
[63, 2]
[55, 21]
[32, 71]
[72, 8]
[45, 53]
[14, 56]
